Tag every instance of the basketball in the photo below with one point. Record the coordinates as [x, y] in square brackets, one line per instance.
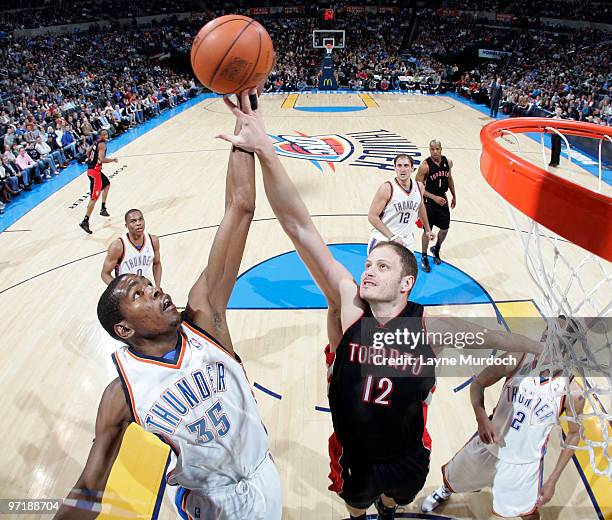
[232, 53]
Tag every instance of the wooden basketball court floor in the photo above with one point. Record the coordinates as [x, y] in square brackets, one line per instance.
[57, 357]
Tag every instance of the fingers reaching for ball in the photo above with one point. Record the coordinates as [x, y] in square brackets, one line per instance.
[247, 100]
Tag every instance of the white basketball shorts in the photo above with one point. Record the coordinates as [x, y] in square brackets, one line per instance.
[255, 498]
[515, 487]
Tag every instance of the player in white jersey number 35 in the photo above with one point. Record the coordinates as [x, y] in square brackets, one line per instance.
[180, 379]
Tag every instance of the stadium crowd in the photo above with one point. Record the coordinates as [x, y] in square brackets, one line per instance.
[63, 90]
[58, 91]
[86, 11]
[584, 10]
[569, 70]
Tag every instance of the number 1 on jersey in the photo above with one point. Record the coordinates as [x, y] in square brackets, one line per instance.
[384, 384]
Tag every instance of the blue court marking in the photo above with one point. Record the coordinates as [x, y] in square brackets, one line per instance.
[463, 385]
[27, 201]
[606, 174]
[330, 109]
[283, 282]
[162, 488]
[266, 391]
[322, 409]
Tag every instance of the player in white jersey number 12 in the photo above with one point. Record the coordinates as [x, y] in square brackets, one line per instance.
[180, 379]
[396, 207]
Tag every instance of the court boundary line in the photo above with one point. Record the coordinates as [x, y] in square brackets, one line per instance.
[211, 226]
[43, 192]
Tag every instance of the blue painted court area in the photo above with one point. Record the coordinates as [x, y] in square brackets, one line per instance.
[27, 201]
[283, 282]
[330, 109]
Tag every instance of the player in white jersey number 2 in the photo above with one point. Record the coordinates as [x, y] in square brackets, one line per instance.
[136, 252]
[396, 207]
[180, 379]
[506, 454]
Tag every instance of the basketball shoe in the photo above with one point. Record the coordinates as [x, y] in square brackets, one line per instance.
[425, 264]
[384, 512]
[435, 499]
[85, 227]
[435, 252]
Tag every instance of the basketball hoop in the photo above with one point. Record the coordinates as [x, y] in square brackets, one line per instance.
[329, 47]
[574, 276]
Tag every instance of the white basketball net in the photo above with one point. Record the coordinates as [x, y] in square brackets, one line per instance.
[577, 284]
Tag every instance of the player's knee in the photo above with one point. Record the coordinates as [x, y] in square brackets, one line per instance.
[245, 205]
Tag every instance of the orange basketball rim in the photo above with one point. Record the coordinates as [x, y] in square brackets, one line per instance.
[571, 211]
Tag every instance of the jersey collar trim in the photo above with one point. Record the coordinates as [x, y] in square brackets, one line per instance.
[179, 354]
[407, 191]
[202, 333]
[144, 242]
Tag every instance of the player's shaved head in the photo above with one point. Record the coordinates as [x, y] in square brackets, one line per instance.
[130, 212]
[109, 311]
[435, 143]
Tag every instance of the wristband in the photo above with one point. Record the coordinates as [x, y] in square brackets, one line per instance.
[238, 149]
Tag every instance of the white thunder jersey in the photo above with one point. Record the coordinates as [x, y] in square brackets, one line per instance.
[400, 213]
[527, 410]
[202, 405]
[134, 260]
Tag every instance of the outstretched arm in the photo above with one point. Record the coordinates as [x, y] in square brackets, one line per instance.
[207, 301]
[84, 500]
[439, 327]
[332, 277]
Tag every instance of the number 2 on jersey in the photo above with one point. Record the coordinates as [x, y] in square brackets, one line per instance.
[518, 421]
[384, 385]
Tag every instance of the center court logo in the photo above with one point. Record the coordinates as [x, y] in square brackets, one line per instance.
[377, 148]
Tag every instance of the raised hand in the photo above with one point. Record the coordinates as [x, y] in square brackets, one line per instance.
[252, 136]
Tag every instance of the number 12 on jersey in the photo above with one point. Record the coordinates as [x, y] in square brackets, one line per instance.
[404, 217]
[381, 386]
